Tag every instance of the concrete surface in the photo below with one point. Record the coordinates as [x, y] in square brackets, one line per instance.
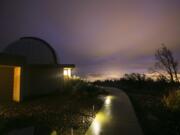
[117, 116]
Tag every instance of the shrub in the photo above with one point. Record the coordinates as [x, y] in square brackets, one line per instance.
[82, 89]
[69, 85]
[87, 89]
[172, 100]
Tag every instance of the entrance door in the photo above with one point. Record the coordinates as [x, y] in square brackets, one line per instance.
[10, 83]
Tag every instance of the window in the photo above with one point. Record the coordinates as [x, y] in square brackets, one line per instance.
[67, 72]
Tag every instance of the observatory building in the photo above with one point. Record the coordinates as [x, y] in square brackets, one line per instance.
[29, 68]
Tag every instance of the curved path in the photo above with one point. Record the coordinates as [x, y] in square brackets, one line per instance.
[116, 117]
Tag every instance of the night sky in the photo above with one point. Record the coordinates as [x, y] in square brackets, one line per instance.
[104, 38]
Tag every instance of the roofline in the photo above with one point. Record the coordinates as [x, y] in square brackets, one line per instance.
[67, 65]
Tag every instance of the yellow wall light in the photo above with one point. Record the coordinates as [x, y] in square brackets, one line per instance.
[17, 83]
[67, 72]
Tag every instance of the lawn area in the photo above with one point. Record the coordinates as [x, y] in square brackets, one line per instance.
[58, 112]
[153, 116]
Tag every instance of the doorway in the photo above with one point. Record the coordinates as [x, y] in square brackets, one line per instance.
[10, 80]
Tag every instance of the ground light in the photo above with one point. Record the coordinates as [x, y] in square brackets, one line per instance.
[102, 117]
[108, 100]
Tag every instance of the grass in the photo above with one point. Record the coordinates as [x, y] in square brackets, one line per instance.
[57, 112]
[153, 116]
[172, 100]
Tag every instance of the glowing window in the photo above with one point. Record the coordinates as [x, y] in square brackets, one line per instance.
[17, 82]
[67, 72]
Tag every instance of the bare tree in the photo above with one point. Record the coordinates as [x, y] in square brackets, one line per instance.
[166, 62]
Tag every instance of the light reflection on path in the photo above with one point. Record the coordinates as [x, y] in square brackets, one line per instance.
[102, 117]
[116, 117]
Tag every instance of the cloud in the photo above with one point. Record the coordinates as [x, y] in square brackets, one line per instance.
[98, 36]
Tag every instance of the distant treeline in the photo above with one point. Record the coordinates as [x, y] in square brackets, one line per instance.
[136, 81]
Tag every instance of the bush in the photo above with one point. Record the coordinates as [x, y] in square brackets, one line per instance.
[140, 82]
[172, 100]
[82, 89]
[69, 85]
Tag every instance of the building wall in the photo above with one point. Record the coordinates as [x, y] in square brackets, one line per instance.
[12, 60]
[40, 80]
[6, 83]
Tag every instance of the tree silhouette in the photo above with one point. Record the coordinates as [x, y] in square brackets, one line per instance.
[166, 62]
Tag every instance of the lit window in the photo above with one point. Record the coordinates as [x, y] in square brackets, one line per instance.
[17, 80]
[67, 72]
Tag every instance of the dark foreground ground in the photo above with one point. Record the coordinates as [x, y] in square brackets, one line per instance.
[154, 118]
[57, 112]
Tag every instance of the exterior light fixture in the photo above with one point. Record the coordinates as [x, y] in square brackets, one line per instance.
[67, 72]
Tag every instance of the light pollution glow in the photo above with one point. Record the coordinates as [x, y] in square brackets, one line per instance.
[98, 36]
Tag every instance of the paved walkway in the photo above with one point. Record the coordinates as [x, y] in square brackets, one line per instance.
[116, 117]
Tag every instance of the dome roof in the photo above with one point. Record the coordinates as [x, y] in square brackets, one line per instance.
[36, 50]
